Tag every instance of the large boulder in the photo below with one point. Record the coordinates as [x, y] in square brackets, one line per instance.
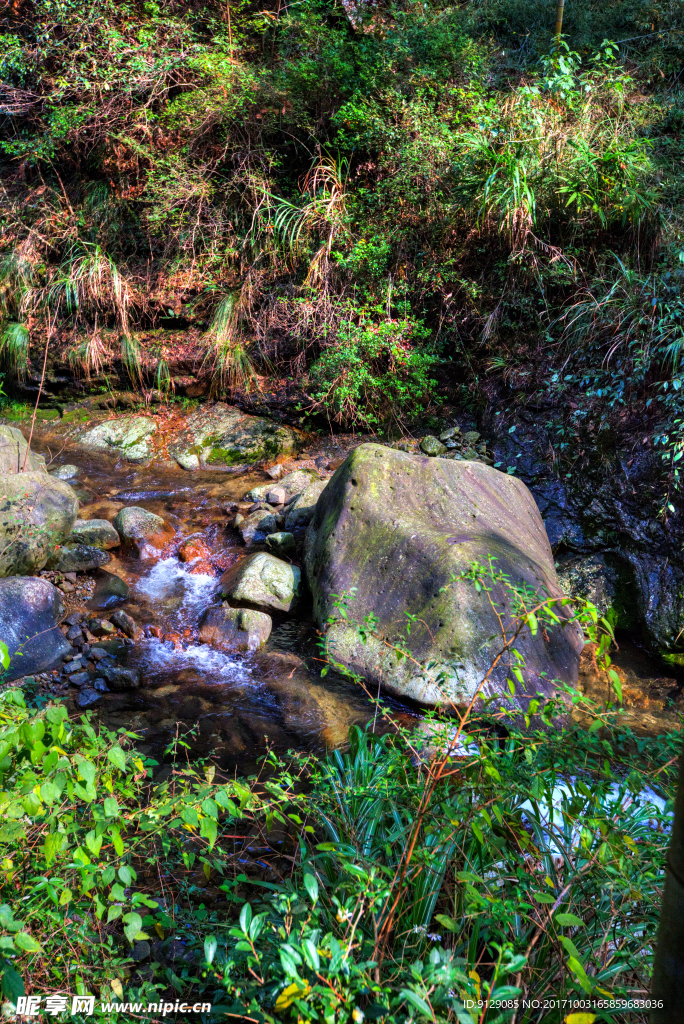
[128, 437]
[300, 512]
[13, 453]
[30, 609]
[37, 512]
[143, 531]
[395, 532]
[220, 435]
[263, 581]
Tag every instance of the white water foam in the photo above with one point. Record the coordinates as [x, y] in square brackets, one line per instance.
[160, 657]
[169, 578]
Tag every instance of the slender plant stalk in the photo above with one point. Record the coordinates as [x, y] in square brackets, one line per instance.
[559, 21]
[40, 390]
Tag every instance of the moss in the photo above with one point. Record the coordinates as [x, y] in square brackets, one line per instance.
[76, 416]
[47, 414]
[673, 659]
[234, 456]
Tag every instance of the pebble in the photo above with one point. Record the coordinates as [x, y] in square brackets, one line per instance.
[276, 496]
[79, 678]
[86, 697]
[66, 587]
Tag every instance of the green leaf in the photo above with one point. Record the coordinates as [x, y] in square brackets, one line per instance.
[64, 897]
[87, 772]
[208, 830]
[93, 842]
[477, 832]
[581, 975]
[49, 792]
[419, 1004]
[111, 807]
[114, 913]
[568, 920]
[245, 917]
[190, 817]
[52, 846]
[117, 757]
[447, 922]
[12, 984]
[117, 840]
[210, 947]
[543, 897]
[132, 925]
[311, 886]
[125, 874]
[4, 663]
[23, 940]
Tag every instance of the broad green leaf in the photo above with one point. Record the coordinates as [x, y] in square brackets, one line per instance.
[447, 922]
[417, 1003]
[111, 807]
[87, 772]
[64, 897]
[117, 757]
[568, 920]
[4, 655]
[52, 845]
[93, 842]
[132, 925]
[210, 947]
[245, 917]
[23, 940]
[125, 874]
[12, 984]
[114, 913]
[208, 829]
[49, 792]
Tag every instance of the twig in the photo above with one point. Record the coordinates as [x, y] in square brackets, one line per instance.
[40, 389]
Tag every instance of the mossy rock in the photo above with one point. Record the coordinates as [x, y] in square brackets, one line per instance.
[221, 435]
[396, 532]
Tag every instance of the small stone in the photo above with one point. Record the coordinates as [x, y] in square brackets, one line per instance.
[96, 533]
[275, 472]
[141, 951]
[100, 685]
[86, 697]
[120, 678]
[80, 678]
[263, 581]
[72, 558]
[276, 496]
[66, 587]
[125, 623]
[109, 590]
[236, 628]
[74, 634]
[432, 446]
[192, 548]
[71, 576]
[281, 544]
[73, 666]
[472, 436]
[74, 618]
[97, 654]
[239, 519]
[100, 627]
[257, 526]
[144, 531]
[67, 472]
[447, 434]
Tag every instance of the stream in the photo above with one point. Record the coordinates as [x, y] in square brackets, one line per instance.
[228, 706]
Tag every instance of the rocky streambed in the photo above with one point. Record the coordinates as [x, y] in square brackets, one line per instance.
[182, 613]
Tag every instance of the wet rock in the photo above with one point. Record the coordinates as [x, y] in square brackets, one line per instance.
[120, 678]
[128, 437]
[192, 548]
[263, 581]
[146, 533]
[221, 435]
[100, 685]
[109, 591]
[77, 558]
[256, 527]
[100, 627]
[276, 496]
[36, 513]
[97, 654]
[80, 678]
[292, 484]
[401, 529]
[275, 472]
[66, 587]
[125, 623]
[74, 634]
[13, 453]
[281, 544]
[431, 446]
[300, 512]
[67, 472]
[86, 697]
[30, 609]
[96, 533]
[588, 577]
[235, 628]
[448, 434]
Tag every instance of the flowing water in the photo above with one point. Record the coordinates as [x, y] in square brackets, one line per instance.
[228, 706]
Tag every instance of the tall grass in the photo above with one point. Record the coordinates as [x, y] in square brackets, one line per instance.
[226, 345]
[14, 347]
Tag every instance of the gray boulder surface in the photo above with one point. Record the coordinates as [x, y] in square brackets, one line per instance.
[127, 437]
[235, 628]
[37, 513]
[401, 529]
[77, 558]
[263, 581]
[300, 512]
[219, 435]
[96, 533]
[13, 452]
[30, 610]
